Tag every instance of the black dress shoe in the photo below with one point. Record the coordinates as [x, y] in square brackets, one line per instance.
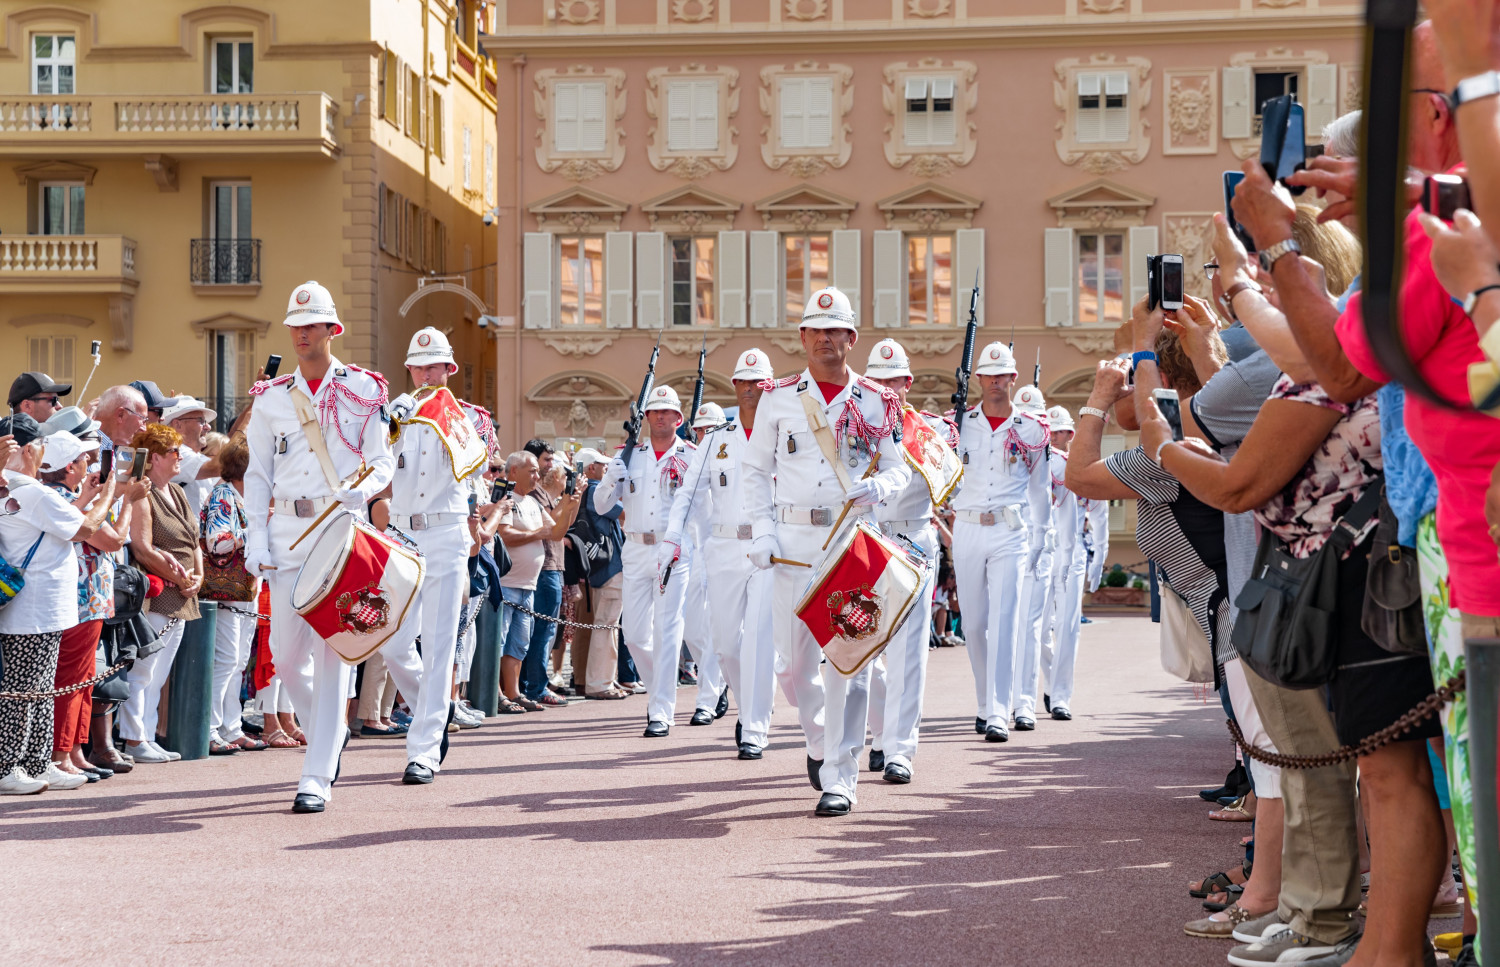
[996, 733]
[738, 732]
[656, 730]
[1062, 715]
[832, 804]
[1024, 724]
[1235, 784]
[99, 771]
[1046, 701]
[722, 708]
[877, 760]
[443, 746]
[749, 750]
[306, 802]
[978, 725]
[701, 716]
[416, 774]
[813, 765]
[897, 773]
[338, 766]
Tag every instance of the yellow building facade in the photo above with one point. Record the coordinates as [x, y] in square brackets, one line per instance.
[180, 167]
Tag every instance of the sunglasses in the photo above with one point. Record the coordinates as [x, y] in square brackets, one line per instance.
[54, 400]
[1210, 269]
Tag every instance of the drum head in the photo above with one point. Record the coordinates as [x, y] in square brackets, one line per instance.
[325, 562]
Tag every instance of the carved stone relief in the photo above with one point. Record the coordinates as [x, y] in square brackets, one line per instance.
[935, 161]
[578, 404]
[805, 9]
[581, 166]
[928, 8]
[687, 165]
[692, 11]
[1191, 112]
[579, 344]
[1102, 6]
[806, 162]
[932, 391]
[787, 342]
[688, 343]
[578, 11]
[1352, 76]
[1192, 234]
[1110, 156]
[1091, 343]
[1280, 4]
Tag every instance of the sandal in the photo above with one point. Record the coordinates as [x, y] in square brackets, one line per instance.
[277, 739]
[250, 744]
[1217, 883]
[507, 707]
[1235, 812]
[298, 736]
[218, 747]
[1224, 900]
[552, 699]
[528, 704]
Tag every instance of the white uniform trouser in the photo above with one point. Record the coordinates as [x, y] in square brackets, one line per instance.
[896, 688]
[1063, 627]
[146, 678]
[739, 597]
[467, 640]
[697, 632]
[273, 698]
[1034, 593]
[312, 673]
[234, 639]
[988, 563]
[652, 623]
[425, 679]
[831, 708]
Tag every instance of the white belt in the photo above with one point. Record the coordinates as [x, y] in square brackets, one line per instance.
[422, 522]
[987, 518]
[904, 526]
[303, 507]
[816, 516]
[742, 532]
[641, 537]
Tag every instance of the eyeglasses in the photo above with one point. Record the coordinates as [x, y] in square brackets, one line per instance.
[1210, 269]
[54, 400]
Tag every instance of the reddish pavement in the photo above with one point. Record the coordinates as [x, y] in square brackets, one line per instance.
[564, 836]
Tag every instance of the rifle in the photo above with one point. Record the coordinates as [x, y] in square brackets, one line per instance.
[1036, 374]
[966, 363]
[638, 408]
[692, 414]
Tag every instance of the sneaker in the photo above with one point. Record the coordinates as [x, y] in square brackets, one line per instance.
[171, 756]
[18, 783]
[55, 778]
[636, 688]
[1259, 928]
[1282, 947]
[145, 752]
[1344, 952]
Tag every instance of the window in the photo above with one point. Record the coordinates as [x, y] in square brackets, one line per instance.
[1101, 278]
[1269, 84]
[489, 173]
[231, 371]
[581, 280]
[52, 355]
[806, 112]
[693, 115]
[61, 208]
[435, 136]
[233, 66]
[52, 61]
[929, 280]
[413, 105]
[467, 142]
[411, 242]
[391, 206]
[804, 271]
[692, 279]
[391, 73]
[1103, 114]
[929, 117]
[578, 116]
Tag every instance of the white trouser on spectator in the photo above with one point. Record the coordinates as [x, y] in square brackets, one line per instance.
[468, 640]
[234, 640]
[896, 700]
[146, 678]
[1063, 627]
[652, 622]
[424, 679]
[1034, 591]
[988, 563]
[739, 598]
[1267, 779]
[273, 698]
[697, 634]
[604, 651]
[317, 679]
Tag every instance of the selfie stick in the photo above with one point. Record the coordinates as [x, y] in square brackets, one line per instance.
[83, 393]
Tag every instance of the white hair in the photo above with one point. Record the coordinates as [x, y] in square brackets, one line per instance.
[122, 395]
[1341, 136]
[516, 459]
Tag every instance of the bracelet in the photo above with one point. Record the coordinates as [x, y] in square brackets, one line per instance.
[1239, 287]
[1164, 444]
[1145, 355]
[1093, 411]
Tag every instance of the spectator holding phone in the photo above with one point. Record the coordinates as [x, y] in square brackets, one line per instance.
[561, 509]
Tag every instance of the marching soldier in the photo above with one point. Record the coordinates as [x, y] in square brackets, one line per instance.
[815, 433]
[309, 434]
[1064, 610]
[439, 452]
[739, 594]
[697, 633]
[996, 537]
[652, 618]
[1029, 403]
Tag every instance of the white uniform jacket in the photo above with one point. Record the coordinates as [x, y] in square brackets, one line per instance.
[1095, 538]
[424, 482]
[647, 491]
[714, 490]
[1005, 473]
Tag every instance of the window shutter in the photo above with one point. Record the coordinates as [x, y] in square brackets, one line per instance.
[1115, 124]
[1236, 87]
[468, 149]
[968, 264]
[916, 127]
[765, 274]
[679, 116]
[731, 279]
[537, 257]
[565, 117]
[705, 115]
[1141, 243]
[819, 102]
[591, 101]
[890, 278]
[845, 264]
[1057, 257]
[1322, 98]
[794, 92]
[383, 81]
[650, 280]
[619, 268]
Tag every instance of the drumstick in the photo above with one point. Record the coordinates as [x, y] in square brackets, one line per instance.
[330, 509]
[783, 560]
[870, 472]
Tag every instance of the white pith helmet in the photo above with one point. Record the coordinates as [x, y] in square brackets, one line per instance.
[995, 360]
[709, 414]
[430, 346]
[1028, 399]
[828, 309]
[753, 364]
[887, 361]
[311, 304]
[1060, 419]
[663, 398]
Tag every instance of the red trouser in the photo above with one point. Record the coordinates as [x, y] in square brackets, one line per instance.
[75, 663]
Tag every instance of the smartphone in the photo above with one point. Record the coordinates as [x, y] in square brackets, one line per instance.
[138, 464]
[1283, 139]
[1171, 408]
[1169, 270]
[273, 364]
[106, 464]
[1444, 195]
[572, 478]
[1232, 181]
[94, 347]
[122, 458]
[1153, 282]
[473, 504]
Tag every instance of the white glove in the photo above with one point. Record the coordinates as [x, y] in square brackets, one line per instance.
[402, 407]
[667, 553]
[762, 549]
[864, 493]
[616, 472]
[255, 558]
[351, 497]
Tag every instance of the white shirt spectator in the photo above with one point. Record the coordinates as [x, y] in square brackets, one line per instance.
[196, 490]
[525, 559]
[49, 601]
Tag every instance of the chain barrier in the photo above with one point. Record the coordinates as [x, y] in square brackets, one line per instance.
[1423, 710]
[561, 621]
[89, 683]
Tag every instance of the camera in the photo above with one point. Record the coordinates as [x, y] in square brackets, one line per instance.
[501, 490]
[1164, 282]
[489, 217]
[572, 481]
[1444, 195]
[484, 322]
[1283, 140]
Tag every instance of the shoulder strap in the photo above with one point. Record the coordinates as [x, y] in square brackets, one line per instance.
[1350, 525]
[27, 563]
[314, 434]
[817, 421]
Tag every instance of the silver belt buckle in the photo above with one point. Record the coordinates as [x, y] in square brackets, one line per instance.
[648, 538]
[743, 532]
[821, 516]
[418, 522]
[987, 519]
[303, 508]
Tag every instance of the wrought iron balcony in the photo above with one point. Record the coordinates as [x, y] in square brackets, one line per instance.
[225, 261]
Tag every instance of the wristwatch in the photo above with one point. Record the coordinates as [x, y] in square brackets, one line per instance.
[1142, 356]
[1270, 254]
[1476, 87]
[1473, 298]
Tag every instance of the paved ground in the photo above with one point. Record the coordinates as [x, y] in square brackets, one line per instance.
[557, 837]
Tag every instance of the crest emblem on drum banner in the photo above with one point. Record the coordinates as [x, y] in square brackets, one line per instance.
[356, 587]
[929, 455]
[439, 409]
[859, 596]
[365, 610]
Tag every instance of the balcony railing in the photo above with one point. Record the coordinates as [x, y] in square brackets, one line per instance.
[225, 261]
[66, 255]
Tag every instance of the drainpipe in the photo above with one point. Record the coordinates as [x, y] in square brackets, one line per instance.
[520, 65]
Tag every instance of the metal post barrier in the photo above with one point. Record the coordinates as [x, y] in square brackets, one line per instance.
[1482, 660]
[484, 671]
[191, 684]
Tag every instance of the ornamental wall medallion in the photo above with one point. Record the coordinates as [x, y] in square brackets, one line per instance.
[692, 11]
[805, 9]
[1102, 6]
[1191, 112]
[578, 11]
[928, 8]
[1192, 234]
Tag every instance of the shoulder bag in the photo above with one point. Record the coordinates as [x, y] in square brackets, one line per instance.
[1392, 615]
[1185, 651]
[12, 578]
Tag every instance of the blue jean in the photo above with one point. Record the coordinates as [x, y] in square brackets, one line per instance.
[515, 627]
[534, 669]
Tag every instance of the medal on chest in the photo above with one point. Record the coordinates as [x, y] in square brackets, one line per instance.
[723, 453]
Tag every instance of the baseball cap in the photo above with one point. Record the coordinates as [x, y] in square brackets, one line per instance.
[22, 427]
[587, 457]
[62, 449]
[155, 398]
[28, 385]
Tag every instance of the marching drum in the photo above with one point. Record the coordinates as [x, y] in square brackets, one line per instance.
[356, 587]
[859, 596]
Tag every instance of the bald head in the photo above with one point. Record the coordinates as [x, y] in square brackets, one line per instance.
[121, 413]
[1432, 137]
[1426, 63]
